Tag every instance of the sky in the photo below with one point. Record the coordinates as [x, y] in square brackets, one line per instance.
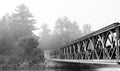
[98, 13]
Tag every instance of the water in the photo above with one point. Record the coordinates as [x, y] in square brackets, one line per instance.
[80, 69]
[74, 69]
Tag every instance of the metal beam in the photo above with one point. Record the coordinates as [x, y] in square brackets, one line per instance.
[109, 27]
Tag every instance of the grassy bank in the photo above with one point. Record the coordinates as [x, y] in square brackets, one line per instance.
[15, 63]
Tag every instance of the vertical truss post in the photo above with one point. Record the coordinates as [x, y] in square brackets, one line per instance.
[54, 53]
[70, 52]
[58, 54]
[84, 45]
[64, 52]
[51, 56]
[67, 53]
[75, 54]
[74, 49]
[117, 37]
[78, 47]
[70, 49]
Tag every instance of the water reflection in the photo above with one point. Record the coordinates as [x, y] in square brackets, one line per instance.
[74, 69]
[84, 69]
[70, 69]
[108, 69]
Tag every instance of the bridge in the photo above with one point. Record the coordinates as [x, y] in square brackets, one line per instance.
[99, 47]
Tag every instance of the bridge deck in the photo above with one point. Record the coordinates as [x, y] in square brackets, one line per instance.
[113, 62]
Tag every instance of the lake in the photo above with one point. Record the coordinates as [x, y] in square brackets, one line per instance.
[80, 69]
[75, 67]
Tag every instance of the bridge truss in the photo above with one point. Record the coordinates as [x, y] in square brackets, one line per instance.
[102, 44]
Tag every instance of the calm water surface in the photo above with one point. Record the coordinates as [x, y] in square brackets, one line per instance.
[74, 69]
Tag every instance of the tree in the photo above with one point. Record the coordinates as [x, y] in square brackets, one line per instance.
[65, 31]
[87, 29]
[45, 31]
[6, 44]
[22, 23]
[28, 46]
[14, 27]
[45, 37]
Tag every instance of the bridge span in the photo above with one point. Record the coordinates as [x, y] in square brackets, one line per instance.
[99, 47]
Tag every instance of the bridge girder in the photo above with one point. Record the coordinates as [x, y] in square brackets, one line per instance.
[101, 44]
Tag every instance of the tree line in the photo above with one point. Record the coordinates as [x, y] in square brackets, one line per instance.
[64, 32]
[18, 43]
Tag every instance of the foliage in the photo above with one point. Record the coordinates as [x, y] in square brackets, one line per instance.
[87, 29]
[22, 22]
[14, 27]
[45, 37]
[65, 31]
[2, 60]
[28, 45]
[30, 51]
[20, 25]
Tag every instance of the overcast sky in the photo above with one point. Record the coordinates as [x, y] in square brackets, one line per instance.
[98, 13]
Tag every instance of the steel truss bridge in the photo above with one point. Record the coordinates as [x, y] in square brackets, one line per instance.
[101, 46]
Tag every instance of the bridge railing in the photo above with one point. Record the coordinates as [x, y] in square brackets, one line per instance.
[102, 44]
